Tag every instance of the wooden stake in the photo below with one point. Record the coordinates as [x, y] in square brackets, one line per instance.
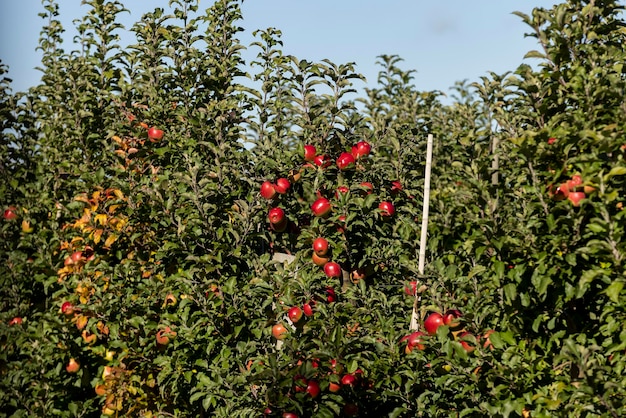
[422, 258]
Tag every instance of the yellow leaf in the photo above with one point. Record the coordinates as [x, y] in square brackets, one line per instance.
[119, 194]
[82, 198]
[113, 208]
[97, 235]
[101, 218]
[110, 240]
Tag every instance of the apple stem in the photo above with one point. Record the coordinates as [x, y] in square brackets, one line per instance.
[414, 326]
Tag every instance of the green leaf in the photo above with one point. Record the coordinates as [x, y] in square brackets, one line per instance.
[614, 290]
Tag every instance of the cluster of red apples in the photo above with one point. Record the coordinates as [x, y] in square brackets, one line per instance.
[452, 319]
[574, 190]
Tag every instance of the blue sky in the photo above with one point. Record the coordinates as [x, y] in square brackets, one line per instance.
[444, 41]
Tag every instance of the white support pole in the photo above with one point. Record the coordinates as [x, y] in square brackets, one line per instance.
[422, 257]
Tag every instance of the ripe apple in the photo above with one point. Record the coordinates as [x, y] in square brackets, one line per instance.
[101, 390]
[576, 197]
[345, 161]
[450, 318]
[551, 140]
[319, 260]
[67, 308]
[299, 383]
[465, 340]
[322, 161]
[413, 341]
[334, 387]
[369, 188]
[307, 308]
[396, 187]
[331, 296]
[361, 149]
[267, 190]
[279, 331]
[282, 185]
[341, 225]
[73, 366]
[357, 275]
[276, 216]
[321, 207]
[487, 343]
[411, 288]
[432, 322]
[341, 190]
[10, 213]
[387, 210]
[313, 388]
[332, 269]
[349, 379]
[320, 246]
[163, 335]
[289, 415]
[309, 153]
[155, 134]
[295, 314]
[15, 321]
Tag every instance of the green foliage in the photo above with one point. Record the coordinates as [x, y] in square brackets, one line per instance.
[162, 246]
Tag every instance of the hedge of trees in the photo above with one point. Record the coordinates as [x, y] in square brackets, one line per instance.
[164, 231]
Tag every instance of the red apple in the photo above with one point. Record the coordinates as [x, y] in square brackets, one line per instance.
[319, 260]
[341, 225]
[267, 190]
[307, 308]
[322, 161]
[309, 153]
[414, 341]
[450, 318]
[369, 187]
[276, 215]
[361, 149]
[334, 387]
[341, 190]
[387, 210]
[155, 134]
[163, 335]
[321, 207]
[331, 296]
[432, 322]
[320, 246]
[67, 308]
[396, 187]
[487, 343]
[282, 185]
[551, 140]
[313, 388]
[279, 331]
[411, 288]
[345, 161]
[349, 380]
[289, 415]
[73, 366]
[15, 321]
[332, 269]
[300, 383]
[10, 213]
[576, 197]
[465, 340]
[295, 314]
